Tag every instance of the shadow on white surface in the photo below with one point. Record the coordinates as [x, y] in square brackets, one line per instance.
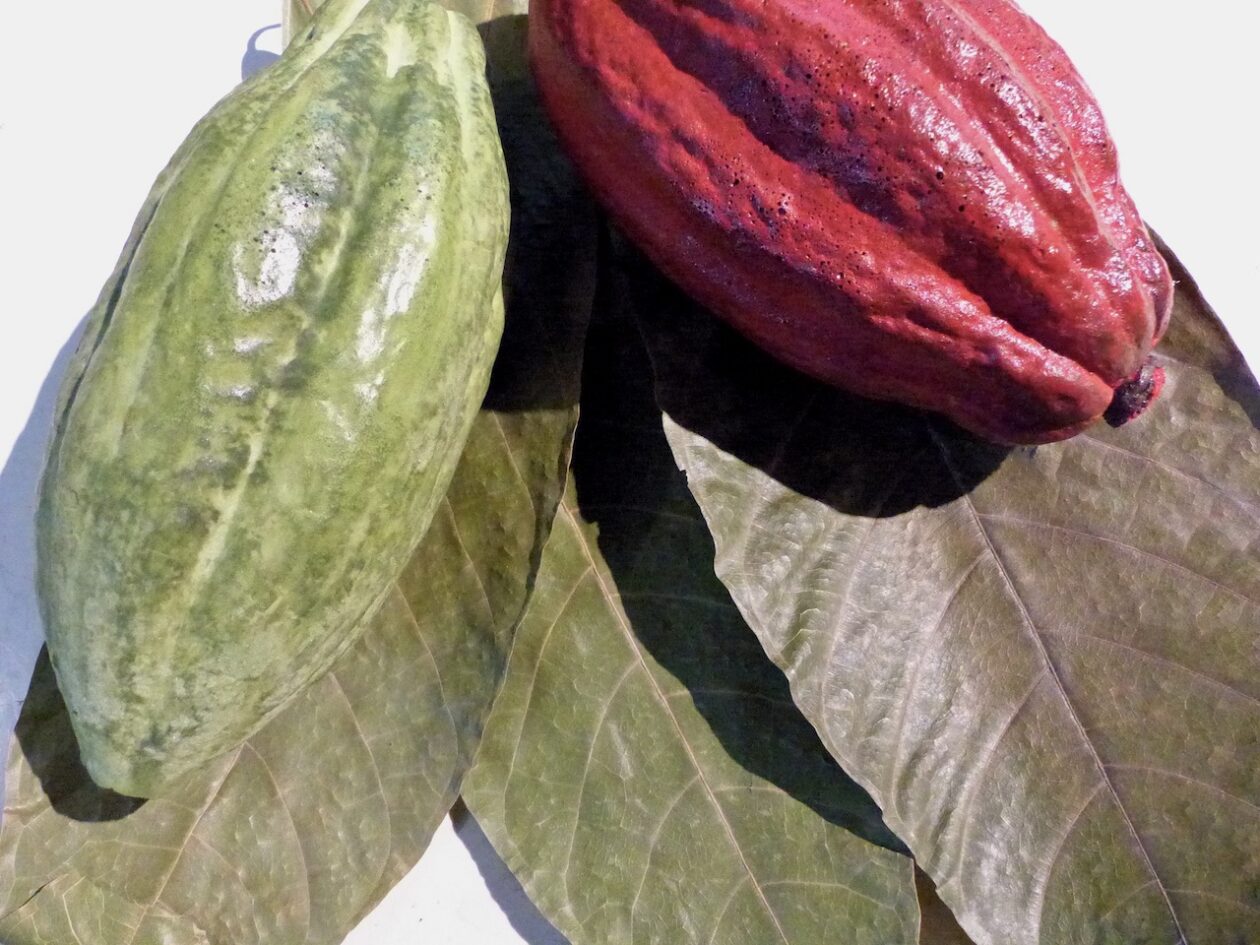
[255, 59]
[530, 924]
[21, 630]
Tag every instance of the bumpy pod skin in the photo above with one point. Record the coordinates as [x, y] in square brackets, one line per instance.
[916, 200]
[274, 388]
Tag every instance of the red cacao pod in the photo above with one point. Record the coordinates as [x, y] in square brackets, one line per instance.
[916, 200]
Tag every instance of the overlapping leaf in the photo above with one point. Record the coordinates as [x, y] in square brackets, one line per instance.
[644, 772]
[1044, 664]
[293, 837]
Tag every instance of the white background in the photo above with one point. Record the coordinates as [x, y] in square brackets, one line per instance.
[94, 97]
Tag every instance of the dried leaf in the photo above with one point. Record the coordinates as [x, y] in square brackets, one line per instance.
[1043, 664]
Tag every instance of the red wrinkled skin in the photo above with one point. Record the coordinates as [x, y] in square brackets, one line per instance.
[916, 200]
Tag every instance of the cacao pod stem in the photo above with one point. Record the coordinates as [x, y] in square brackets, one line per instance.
[1135, 395]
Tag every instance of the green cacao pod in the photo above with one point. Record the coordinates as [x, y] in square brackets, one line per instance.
[915, 200]
[274, 388]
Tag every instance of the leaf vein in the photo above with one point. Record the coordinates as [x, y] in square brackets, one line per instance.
[1043, 885]
[472, 564]
[1197, 782]
[669, 712]
[586, 772]
[1197, 480]
[1044, 653]
[437, 674]
[726, 907]
[1156, 658]
[1141, 552]
[288, 812]
[912, 682]
[376, 769]
[511, 457]
[831, 884]
[183, 844]
[654, 838]
[978, 777]
[533, 683]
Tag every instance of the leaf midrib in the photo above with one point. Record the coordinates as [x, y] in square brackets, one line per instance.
[1052, 671]
[178, 852]
[625, 630]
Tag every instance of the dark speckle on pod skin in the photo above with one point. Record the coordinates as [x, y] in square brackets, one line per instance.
[295, 375]
[260, 475]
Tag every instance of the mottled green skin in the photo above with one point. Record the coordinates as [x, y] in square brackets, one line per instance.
[274, 388]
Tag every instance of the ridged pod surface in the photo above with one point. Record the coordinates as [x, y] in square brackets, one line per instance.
[274, 388]
[916, 200]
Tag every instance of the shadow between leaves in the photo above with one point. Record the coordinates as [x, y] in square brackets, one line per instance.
[645, 772]
[660, 555]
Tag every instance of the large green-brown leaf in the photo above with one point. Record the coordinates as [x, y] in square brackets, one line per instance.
[1043, 664]
[645, 773]
[295, 836]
